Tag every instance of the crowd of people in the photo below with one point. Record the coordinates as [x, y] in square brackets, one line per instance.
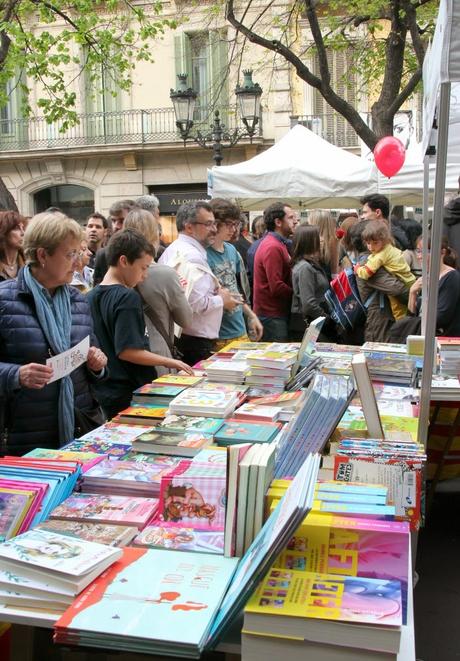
[150, 308]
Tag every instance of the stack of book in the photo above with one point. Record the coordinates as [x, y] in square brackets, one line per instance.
[398, 465]
[181, 380]
[170, 613]
[449, 352]
[287, 404]
[35, 486]
[238, 431]
[87, 459]
[228, 371]
[156, 394]
[142, 415]
[207, 403]
[102, 533]
[393, 367]
[339, 590]
[445, 388]
[308, 432]
[112, 439]
[128, 478]
[41, 572]
[337, 617]
[99, 508]
[185, 444]
[270, 368]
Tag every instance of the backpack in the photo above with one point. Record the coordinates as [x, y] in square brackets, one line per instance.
[344, 301]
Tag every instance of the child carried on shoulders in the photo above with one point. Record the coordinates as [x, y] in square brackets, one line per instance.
[383, 254]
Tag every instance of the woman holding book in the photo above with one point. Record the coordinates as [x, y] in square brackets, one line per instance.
[42, 316]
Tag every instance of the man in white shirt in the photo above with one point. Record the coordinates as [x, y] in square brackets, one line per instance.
[187, 255]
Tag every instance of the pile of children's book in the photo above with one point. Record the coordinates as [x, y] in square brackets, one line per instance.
[196, 472]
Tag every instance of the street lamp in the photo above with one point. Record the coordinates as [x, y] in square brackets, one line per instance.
[184, 100]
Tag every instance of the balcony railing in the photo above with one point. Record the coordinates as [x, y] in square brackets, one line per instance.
[336, 130]
[134, 127]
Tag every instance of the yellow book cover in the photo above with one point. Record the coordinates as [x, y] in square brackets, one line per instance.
[325, 596]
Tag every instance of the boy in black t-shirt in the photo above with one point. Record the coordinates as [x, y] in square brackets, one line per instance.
[119, 322]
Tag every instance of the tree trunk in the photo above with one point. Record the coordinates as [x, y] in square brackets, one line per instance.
[7, 202]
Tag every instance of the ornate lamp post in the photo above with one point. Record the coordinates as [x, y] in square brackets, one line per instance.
[184, 100]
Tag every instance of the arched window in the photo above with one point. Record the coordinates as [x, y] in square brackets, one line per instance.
[77, 202]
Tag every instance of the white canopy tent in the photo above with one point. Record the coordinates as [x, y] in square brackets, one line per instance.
[407, 186]
[302, 169]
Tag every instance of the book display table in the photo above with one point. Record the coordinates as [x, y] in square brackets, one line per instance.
[281, 463]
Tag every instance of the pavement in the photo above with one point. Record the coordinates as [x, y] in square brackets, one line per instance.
[437, 593]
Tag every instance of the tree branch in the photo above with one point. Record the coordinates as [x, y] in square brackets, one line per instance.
[405, 92]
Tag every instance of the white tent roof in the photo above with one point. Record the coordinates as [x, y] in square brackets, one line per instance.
[301, 169]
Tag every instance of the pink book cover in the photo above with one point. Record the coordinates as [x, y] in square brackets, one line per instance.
[107, 509]
[40, 490]
[193, 495]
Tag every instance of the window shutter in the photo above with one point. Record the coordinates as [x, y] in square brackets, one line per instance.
[218, 56]
[183, 56]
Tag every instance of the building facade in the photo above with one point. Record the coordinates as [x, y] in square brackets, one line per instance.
[127, 144]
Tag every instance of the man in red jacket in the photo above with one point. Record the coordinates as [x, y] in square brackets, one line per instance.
[272, 273]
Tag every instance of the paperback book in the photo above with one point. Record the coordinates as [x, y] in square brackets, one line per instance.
[319, 607]
[107, 509]
[101, 533]
[181, 539]
[170, 613]
[185, 444]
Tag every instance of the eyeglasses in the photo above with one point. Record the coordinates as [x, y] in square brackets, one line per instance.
[209, 223]
[233, 223]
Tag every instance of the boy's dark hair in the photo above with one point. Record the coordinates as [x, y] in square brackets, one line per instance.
[376, 201]
[224, 210]
[376, 230]
[130, 243]
[413, 229]
[272, 213]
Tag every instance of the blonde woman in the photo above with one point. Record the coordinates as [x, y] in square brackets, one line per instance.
[162, 294]
[42, 316]
[329, 250]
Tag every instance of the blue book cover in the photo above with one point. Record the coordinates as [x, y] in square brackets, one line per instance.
[237, 431]
[176, 605]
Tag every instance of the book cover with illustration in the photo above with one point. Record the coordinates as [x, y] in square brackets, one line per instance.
[107, 509]
[178, 380]
[157, 390]
[349, 546]
[101, 533]
[14, 504]
[403, 477]
[218, 404]
[327, 596]
[178, 424]
[111, 432]
[129, 473]
[44, 550]
[113, 450]
[87, 459]
[237, 431]
[136, 413]
[194, 496]
[185, 444]
[181, 539]
[174, 608]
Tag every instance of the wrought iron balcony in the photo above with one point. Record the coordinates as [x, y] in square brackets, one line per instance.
[126, 127]
[336, 130]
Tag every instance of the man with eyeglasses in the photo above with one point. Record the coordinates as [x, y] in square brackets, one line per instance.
[187, 255]
[227, 265]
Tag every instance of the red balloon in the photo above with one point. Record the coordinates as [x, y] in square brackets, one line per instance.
[389, 155]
